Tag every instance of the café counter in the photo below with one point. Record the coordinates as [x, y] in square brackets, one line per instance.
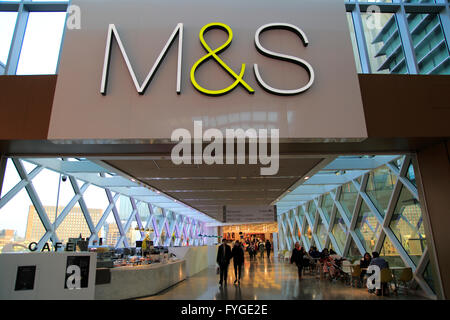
[138, 281]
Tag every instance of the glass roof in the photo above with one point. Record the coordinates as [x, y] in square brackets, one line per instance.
[340, 171]
[101, 176]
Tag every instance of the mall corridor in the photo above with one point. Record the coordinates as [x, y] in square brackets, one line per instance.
[265, 280]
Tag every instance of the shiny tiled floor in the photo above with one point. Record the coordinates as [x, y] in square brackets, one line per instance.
[264, 280]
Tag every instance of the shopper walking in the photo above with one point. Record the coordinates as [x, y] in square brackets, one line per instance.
[261, 249]
[268, 248]
[238, 260]
[297, 258]
[223, 260]
[251, 250]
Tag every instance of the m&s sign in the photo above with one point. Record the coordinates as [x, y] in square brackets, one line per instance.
[237, 77]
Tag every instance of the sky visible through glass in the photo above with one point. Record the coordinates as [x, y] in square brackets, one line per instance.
[15, 213]
[42, 42]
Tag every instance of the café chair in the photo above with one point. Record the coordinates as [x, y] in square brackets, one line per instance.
[405, 277]
[347, 269]
[356, 274]
[281, 255]
[287, 256]
[385, 278]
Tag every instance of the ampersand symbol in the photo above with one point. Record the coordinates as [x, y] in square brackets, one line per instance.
[213, 54]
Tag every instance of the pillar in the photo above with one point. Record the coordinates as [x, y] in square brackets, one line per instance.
[433, 180]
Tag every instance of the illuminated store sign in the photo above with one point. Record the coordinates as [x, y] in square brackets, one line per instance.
[211, 54]
[143, 69]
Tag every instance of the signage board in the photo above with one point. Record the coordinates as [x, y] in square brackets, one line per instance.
[25, 278]
[141, 69]
[249, 214]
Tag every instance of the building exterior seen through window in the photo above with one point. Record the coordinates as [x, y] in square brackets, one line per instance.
[412, 40]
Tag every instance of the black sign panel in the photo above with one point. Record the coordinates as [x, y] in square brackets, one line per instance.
[25, 278]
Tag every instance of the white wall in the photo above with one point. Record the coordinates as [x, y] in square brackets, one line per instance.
[49, 278]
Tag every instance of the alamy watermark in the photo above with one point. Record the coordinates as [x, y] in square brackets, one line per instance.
[373, 19]
[73, 17]
[213, 153]
[374, 280]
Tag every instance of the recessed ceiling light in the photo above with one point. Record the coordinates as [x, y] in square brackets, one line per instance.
[306, 178]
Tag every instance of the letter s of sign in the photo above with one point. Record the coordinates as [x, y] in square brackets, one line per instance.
[281, 56]
[373, 276]
[74, 280]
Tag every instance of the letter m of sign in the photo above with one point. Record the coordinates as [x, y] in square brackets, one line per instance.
[112, 32]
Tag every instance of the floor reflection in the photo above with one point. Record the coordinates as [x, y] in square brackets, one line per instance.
[264, 279]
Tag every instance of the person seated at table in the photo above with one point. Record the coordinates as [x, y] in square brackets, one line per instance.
[334, 263]
[382, 264]
[333, 255]
[364, 264]
[378, 261]
[308, 261]
[324, 254]
[325, 261]
[314, 253]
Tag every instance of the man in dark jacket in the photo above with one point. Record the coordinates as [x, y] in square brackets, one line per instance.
[223, 259]
[297, 258]
[268, 248]
[238, 260]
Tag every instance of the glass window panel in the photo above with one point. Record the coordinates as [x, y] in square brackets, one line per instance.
[46, 184]
[430, 47]
[354, 43]
[398, 163]
[125, 209]
[367, 228]
[28, 166]
[312, 241]
[390, 254]
[379, 187]
[42, 42]
[133, 234]
[388, 1]
[330, 246]
[322, 234]
[407, 225]
[418, 1]
[384, 44]
[327, 206]
[308, 236]
[299, 216]
[312, 211]
[73, 226]
[19, 224]
[430, 276]
[111, 234]
[353, 251]
[340, 231]
[410, 175]
[7, 25]
[11, 177]
[144, 212]
[348, 198]
[301, 212]
[96, 201]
